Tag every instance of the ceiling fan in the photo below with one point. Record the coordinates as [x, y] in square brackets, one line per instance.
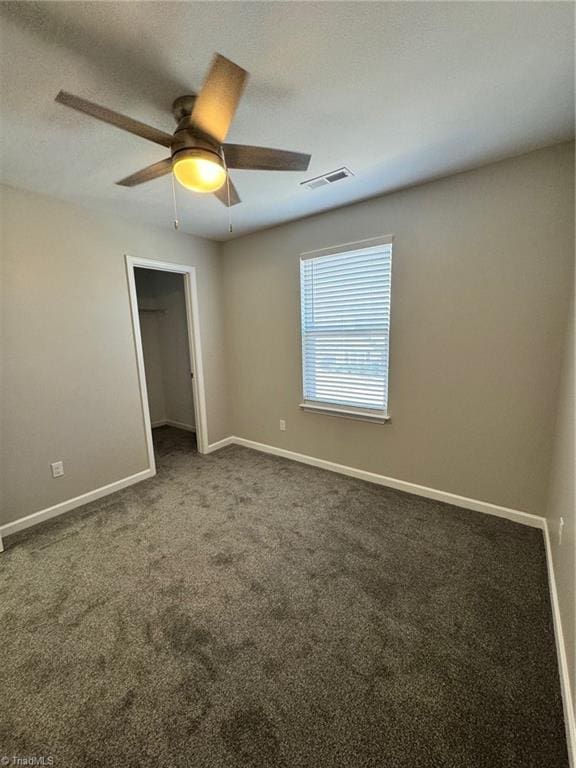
[199, 157]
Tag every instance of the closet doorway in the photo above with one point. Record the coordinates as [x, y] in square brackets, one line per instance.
[163, 298]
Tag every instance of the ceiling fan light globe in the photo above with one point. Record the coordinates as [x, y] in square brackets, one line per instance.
[199, 171]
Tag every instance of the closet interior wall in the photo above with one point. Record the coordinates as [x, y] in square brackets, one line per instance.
[162, 312]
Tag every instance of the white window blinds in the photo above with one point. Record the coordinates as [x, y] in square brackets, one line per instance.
[345, 328]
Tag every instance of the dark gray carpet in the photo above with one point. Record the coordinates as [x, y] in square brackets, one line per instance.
[244, 610]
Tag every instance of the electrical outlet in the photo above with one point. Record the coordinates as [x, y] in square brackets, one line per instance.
[282, 425]
[560, 531]
[57, 468]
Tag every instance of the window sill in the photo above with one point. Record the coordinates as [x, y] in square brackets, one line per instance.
[345, 413]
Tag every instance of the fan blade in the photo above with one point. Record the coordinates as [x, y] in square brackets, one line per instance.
[216, 103]
[264, 158]
[115, 118]
[147, 174]
[222, 194]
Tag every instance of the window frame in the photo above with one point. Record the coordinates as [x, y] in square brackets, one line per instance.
[337, 409]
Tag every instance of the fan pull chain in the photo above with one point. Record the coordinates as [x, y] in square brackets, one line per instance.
[176, 221]
[227, 192]
[229, 206]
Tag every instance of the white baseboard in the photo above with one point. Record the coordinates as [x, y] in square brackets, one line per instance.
[565, 684]
[77, 501]
[172, 423]
[220, 444]
[390, 482]
[180, 425]
[65, 506]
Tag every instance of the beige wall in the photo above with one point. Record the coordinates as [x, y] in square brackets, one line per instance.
[69, 378]
[479, 301]
[165, 346]
[562, 502]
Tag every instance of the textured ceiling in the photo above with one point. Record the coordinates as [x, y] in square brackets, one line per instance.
[398, 92]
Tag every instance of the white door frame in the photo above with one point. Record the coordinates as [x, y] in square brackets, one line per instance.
[194, 341]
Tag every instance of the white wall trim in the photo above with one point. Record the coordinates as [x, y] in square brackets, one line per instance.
[172, 423]
[194, 342]
[66, 506]
[358, 245]
[77, 501]
[391, 482]
[137, 336]
[221, 444]
[402, 485]
[565, 684]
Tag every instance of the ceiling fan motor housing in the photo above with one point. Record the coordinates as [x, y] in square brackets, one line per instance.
[188, 142]
[188, 138]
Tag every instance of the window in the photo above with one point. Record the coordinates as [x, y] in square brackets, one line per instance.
[345, 295]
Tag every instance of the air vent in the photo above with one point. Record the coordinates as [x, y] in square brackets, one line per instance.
[328, 178]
